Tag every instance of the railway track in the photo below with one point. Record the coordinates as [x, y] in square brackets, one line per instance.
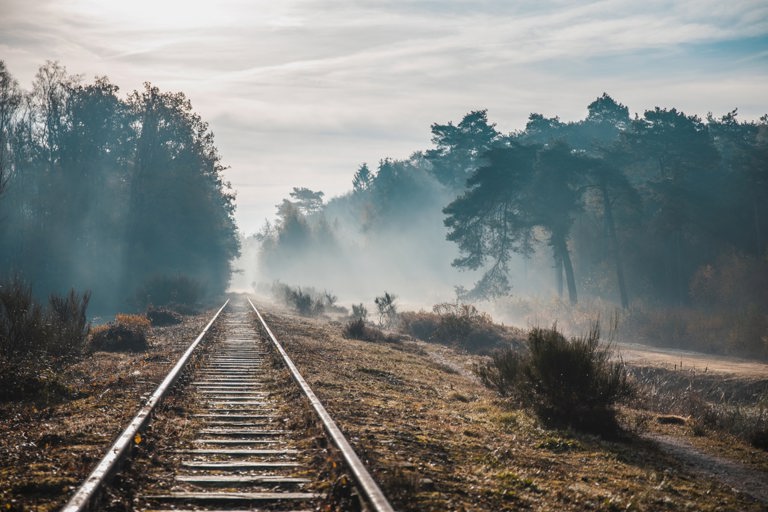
[240, 448]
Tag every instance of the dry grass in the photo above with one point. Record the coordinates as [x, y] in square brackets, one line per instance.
[438, 440]
[137, 322]
[48, 447]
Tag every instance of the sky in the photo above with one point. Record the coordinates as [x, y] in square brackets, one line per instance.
[300, 93]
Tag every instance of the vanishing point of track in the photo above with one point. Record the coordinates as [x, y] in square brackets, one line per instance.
[242, 457]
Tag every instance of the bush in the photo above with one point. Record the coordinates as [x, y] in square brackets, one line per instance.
[35, 340]
[387, 309]
[567, 382]
[162, 316]
[307, 302]
[29, 331]
[359, 312]
[22, 322]
[128, 333]
[180, 292]
[460, 325]
[357, 329]
[502, 372]
[573, 382]
[69, 323]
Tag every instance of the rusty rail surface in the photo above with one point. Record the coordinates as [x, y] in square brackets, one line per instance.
[369, 489]
[85, 495]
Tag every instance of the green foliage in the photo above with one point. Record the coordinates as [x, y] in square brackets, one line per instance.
[567, 382]
[362, 179]
[459, 149]
[107, 192]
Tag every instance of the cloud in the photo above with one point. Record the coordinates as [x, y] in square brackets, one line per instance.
[300, 92]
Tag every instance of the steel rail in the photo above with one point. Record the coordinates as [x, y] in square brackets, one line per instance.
[88, 491]
[371, 492]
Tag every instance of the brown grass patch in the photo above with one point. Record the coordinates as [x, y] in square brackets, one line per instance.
[438, 440]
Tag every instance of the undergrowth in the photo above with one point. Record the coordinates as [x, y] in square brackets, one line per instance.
[36, 339]
[358, 329]
[567, 382]
[307, 301]
[460, 325]
[708, 402]
[128, 333]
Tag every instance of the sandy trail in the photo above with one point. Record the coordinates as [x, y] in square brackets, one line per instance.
[637, 354]
[738, 476]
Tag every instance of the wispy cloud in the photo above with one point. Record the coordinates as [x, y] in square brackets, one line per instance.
[299, 92]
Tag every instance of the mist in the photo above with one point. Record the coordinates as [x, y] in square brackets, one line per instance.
[649, 222]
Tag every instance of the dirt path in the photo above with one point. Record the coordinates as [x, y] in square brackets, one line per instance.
[739, 477]
[676, 359]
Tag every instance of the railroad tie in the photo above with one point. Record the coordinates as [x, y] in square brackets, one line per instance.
[242, 457]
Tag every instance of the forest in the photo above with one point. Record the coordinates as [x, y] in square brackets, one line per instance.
[119, 196]
[662, 214]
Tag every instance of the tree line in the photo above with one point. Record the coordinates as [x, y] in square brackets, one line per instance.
[658, 207]
[106, 193]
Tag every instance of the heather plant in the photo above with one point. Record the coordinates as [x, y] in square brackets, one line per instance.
[573, 381]
[128, 333]
[69, 323]
[387, 309]
[307, 301]
[36, 340]
[502, 372]
[567, 382]
[358, 329]
[29, 331]
[359, 312]
[457, 324]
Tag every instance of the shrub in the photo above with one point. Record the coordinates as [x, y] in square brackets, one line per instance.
[306, 302]
[359, 312]
[502, 371]
[69, 322]
[128, 333]
[357, 329]
[29, 330]
[119, 338]
[387, 309]
[567, 382]
[134, 322]
[36, 340]
[458, 324]
[22, 322]
[573, 382]
[179, 291]
[162, 316]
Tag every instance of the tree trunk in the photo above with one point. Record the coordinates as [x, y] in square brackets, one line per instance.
[563, 262]
[558, 270]
[758, 230]
[608, 210]
[569, 275]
